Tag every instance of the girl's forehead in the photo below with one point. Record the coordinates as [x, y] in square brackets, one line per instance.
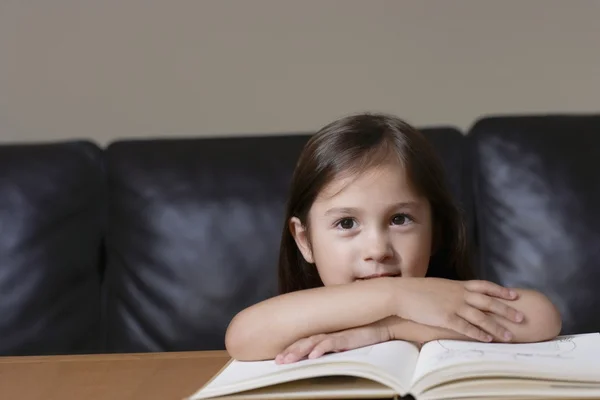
[387, 179]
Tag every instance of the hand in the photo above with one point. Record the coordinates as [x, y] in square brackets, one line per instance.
[317, 345]
[463, 307]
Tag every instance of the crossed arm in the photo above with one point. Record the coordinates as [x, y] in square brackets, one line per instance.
[413, 309]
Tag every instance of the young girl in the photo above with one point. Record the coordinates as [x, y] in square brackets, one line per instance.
[374, 249]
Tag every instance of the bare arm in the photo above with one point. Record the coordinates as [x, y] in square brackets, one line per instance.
[542, 322]
[263, 330]
[267, 328]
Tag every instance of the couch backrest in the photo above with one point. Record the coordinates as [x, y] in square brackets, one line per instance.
[193, 235]
[52, 216]
[536, 184]
[181, 234]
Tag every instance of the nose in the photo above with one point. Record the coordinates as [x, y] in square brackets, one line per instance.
[377, 247]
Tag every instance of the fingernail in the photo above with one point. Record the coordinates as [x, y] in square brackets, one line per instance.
[288, 358]
[488, 338]
[519, 317]
[507, 335]
[512, 293]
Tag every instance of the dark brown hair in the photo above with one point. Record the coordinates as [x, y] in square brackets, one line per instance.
[352, 145]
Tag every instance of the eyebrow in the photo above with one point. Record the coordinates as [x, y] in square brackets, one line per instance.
[352, 210]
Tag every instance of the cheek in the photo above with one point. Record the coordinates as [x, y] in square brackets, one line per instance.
[333, 259]
[415, 253]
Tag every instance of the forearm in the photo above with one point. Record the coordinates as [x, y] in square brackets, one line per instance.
[542, 322]
[542, 319]
[265, 329]
[403, 329]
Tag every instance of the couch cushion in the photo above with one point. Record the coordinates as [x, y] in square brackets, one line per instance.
[52, 210]
[194, 230]
[537, 191]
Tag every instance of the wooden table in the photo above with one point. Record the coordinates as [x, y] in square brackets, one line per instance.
[145, 376]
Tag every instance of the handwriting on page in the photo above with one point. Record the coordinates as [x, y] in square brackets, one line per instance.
[568, 352]
[562, 348]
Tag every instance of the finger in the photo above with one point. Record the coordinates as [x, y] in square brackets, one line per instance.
[298, 350]
[301, 348]
[485, 322]
[491, 289]
[282, 357]
[460, 325]
[494, 306]
[279, 358]
[324, 346]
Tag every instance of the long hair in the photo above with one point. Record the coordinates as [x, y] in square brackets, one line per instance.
[354, 144]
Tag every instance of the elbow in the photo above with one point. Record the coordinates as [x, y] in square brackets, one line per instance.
[232, 340]
[242, 341]
[545, 322]
[235, 340]
[553, 320]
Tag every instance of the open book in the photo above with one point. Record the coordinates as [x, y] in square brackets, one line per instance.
[567, 367]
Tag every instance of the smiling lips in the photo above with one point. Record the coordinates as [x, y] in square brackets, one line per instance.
[378, 276]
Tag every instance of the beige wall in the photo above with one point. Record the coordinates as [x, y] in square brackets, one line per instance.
[112, 69]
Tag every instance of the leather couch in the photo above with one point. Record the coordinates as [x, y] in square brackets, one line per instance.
[153, 245]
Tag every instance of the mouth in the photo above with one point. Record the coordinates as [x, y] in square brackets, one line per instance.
[364, 278]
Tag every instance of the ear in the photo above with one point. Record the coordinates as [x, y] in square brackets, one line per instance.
[300, 235]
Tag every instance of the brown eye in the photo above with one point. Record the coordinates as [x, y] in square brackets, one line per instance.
[346, 223]
[400, 219]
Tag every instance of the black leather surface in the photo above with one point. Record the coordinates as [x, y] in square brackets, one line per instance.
[537, 194]
[194, 230]
[51, 218]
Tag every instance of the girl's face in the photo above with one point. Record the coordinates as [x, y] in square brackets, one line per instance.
[366, 226]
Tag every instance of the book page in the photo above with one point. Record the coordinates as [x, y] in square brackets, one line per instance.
[397, 359]
[334, 387]
[578, 354]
